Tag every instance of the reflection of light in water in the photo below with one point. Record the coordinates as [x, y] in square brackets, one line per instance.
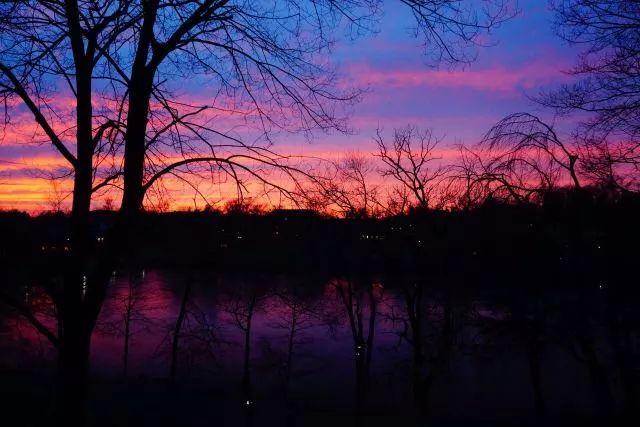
[143, 273]
[84, 285]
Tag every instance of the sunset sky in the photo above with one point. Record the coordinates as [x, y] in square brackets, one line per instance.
[459, 105]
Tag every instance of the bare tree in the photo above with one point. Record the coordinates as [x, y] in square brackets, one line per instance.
[133, 310]
[429, 328]
[191, 340]
[608, 68]
[295, 315]
[519, 159]
[613, 166]
[345, 188]
[467, 180]
[411, 160]
[242, 303]
[56, 196]
[451, 32]
[360, 303]
[121, 64]
[527, 142]
[606, 94]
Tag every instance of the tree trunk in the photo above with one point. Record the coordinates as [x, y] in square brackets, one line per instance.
[127, 328]
[533, 358]
[175, 345]
[73, 365]
[598, 379]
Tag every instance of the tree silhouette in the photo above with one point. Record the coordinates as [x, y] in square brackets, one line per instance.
[344, 188]
[606, 94]
[411, 160]
[523, 141]
[121, 64]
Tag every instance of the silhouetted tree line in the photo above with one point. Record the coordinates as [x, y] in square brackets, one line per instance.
[121, 63]
[576, 235]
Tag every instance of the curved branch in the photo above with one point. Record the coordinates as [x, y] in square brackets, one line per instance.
[28, 314]
[19, 90]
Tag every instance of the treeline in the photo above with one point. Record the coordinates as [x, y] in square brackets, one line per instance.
[574, 238]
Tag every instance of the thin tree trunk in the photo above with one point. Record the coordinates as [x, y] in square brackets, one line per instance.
[598, 379]
[533, 358]
[175, 345]
[127, 330]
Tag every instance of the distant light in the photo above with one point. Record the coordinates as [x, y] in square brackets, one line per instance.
[248, 403]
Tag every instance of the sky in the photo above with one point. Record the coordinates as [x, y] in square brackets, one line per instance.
[459, 104]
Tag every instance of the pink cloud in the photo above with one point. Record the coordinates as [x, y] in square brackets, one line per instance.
[497, 79]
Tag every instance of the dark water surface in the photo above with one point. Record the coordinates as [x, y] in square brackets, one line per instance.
[208, 349]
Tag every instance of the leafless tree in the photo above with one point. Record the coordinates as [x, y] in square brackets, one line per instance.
[360, 302]
[607, 90]
[520, 326]
[133, 309]
[191, 339]
[177, 331]
[56, 196]
[467, 180]
[518, 160]
[527, 142]
[451, 32]
[241, 304]
[428, 327]
[609, 165]
[397, 200]
[608, 69]
[121, 63]
[295, 314]
[345, 188]
[411, 160]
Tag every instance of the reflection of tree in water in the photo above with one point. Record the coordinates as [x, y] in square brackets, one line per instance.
[293, 313]
[132, 310]
[27, 323]
[520, 325]
[192, 338]
[242, 302]
[360, 299]
[429, 327]
[580, 330]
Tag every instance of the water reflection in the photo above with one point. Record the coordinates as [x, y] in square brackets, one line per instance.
[353, 348]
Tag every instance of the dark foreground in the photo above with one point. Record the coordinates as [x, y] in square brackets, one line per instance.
[500, 316]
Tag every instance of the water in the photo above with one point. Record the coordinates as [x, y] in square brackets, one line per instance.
[320, 347]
